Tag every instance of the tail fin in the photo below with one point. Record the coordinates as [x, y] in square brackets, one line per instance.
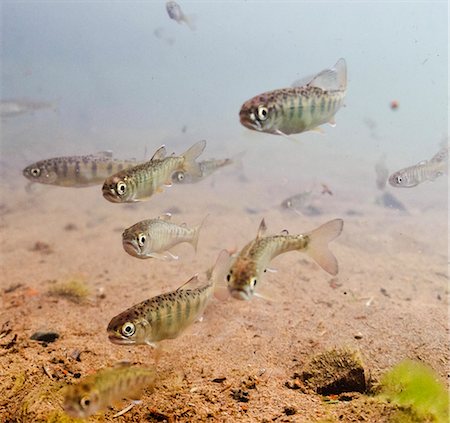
[190, 166]
[217, 275]
[197, 229]
[318, 247]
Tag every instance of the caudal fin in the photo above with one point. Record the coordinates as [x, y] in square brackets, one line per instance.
[318, 247]
[190, 166]
[197, 229]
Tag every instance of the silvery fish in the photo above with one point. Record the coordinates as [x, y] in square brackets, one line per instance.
[207, 167]
[108, 386]
[142, 181]
[76, 171]
[174, 11]
[166, 316]
[151, 238]
[427, 170]
[252, 261]
[301, 108]
[12, 108]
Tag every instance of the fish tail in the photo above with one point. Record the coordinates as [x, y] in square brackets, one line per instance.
[217, 275]
[341, 73]
[190, 166]
[197, 229]
[318, 246]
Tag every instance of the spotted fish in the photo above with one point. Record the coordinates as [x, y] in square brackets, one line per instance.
[76, 171]
[96, 392]
[151, 238]
[142, 181]
[166, 316]
[427, 170]
[300, 108]
[252, 261]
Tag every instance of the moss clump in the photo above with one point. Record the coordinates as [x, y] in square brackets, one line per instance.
[334, 372]
[415, 386]
[74, 290]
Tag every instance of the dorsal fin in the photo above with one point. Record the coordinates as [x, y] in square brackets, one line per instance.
[262, 229]
[192, 281]
[166, 217]
[284, 232]
[302, 81]
[183, 225]
[159, 154]
[331, 79]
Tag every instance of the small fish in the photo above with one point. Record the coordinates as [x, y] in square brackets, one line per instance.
[300, 108]
[167, 315]
[174, 11]
[207, 167]
[76, 171]
[427, 170]
[96, 392]
[382, 172]
[151, 238]
[12, 108]
[252, 261]
[142, 181]
[298, 201]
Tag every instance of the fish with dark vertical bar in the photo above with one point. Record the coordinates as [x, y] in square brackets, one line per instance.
[96, 392]
[76, 171]
[167, 315]
[142, 181]
[303, 107]
[252, 261]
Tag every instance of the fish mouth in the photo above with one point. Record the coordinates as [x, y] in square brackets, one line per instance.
[131, 248]
[120, 341]
[240, 294]
[110, 195]
[247, 121]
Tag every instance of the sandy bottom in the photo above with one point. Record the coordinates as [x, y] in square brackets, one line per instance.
[389, 302]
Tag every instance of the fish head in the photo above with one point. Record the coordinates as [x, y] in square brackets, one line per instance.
[82, 400]
[242, 279]
[136, 241]
[400, 179]
[258, 113]
[38, 172]
[287, 204]
[129, 328]
[117, 189]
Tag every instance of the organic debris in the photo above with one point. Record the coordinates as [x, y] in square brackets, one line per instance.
[74, 290]
[42, 247]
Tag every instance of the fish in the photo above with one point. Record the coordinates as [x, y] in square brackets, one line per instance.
[298, 201]
[167, 315]
[140, 182]
[426, 170]
[76, 171]
[96, 392]
[381, 172]
[152, 237]
[297, 109]
[174, 11]
[252, 261]
[13, 108]
[207, 167]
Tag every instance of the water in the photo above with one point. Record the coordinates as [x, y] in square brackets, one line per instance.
[114, 85]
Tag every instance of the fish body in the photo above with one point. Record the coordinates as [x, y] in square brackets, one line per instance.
[252, 261]
[152, 237]
[76, 171]
[298, 109]
[142, 181]
[207, 167]
[162, 317]
[174, 11]
[96, 392]
[12, 108]
[427, 170]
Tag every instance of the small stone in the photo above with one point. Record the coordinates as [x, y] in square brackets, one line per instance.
[240, 395]
[46, 337]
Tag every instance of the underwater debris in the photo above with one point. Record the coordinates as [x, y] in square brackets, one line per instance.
[71, 227]
[289, 411]
[415, 385]
[42, 247]
[74, 290]
[331, 372]
[389, 201]
[45, 337]
[240, 395]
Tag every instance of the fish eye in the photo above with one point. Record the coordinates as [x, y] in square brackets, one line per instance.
[141, 240]
[253, 282]
[228, 277]
[263, 112]
[121, 187]
[128, 329]
[180, 176]
[399, 179]
[85, 402]
[35, 172]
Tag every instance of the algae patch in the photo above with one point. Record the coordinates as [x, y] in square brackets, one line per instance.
[74, 289]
